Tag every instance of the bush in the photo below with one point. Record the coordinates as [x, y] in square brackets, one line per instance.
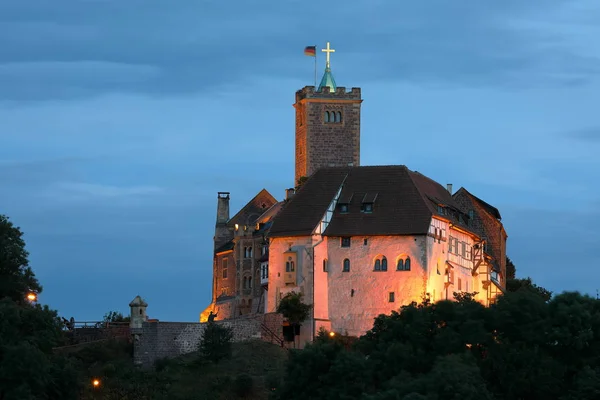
[272, 381]
[243, 385]
[215, 344]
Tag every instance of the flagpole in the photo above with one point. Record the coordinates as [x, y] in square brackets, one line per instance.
[315, 67]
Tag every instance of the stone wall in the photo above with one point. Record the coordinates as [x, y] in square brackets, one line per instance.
[156, 340]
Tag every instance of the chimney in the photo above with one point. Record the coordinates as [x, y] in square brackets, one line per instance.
[449, 187]
[289, 193]
[222, 208]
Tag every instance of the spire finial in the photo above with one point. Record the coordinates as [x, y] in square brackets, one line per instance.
[327, 51]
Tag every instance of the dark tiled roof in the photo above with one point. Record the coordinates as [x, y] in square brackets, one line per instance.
[488, 207]
[403, 203]
[301, 214]
[227, 246]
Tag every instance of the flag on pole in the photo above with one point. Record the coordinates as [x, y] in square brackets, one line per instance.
[310, 51]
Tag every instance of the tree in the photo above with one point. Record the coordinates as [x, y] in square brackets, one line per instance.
[28, 332]
[511, 270]
[294, 310]
[114, 316]
[215, 344]
[16, 277]
[526, 284]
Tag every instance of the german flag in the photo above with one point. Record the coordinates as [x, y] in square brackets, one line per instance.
[310, 51]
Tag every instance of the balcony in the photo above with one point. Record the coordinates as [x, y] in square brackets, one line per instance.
[289, 278]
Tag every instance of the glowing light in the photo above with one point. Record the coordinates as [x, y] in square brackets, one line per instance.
[331, 334]
[31, 297]
[237, 227]
[96, 383]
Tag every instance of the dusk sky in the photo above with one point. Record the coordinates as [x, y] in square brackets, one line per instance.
[121, 120]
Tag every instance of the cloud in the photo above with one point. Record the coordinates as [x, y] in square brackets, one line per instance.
[589, 135]
[189, 47]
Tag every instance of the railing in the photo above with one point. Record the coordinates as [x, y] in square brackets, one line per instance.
[274, 336]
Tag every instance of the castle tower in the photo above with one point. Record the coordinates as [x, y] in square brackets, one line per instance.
[137, 312]
[327, 125]
[222, 234]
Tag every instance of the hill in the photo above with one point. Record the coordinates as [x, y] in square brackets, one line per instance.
[254, 371]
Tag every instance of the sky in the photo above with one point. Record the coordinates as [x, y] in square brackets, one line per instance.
[121, 120]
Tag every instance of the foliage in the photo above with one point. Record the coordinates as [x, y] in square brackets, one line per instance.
[292, 308]
[526, 284]
[243, 385]
[114, 316]
[526, 346]
[215, 344]
[16, 277]
[28, 331]
[511, 269]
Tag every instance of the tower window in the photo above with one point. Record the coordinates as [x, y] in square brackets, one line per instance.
[333, 117]
[224, 266]
[328, 117]
[338, 116]
[346, 267]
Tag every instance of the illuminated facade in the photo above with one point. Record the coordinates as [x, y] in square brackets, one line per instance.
[357, 241]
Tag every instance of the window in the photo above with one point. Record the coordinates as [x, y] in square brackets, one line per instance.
[365, 241]
[471, 214]
[224, 267]
[346, 265]
[249, 282]
[264, 250]
[343, 208]
[325, 265]
[328, 118]
[249, 252]
[459, 284]
[403, 264]
[289, 265]
[367, 207]
[391, 297]
[380, 264]
[264, 271]
[338, 116]
[345, 242]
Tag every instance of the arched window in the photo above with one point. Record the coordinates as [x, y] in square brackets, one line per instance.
[346, 265]
[327, 116]
[249, 252]
[287, 266]
[380, 263]
[403, 264]
[250, 282]
[338, 116]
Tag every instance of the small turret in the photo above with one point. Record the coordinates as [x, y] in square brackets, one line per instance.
[138, 312]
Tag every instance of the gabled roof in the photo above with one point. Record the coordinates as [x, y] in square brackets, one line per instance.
[403, 201]
[226, 247]
[300, 215]
[250, 213]
[486, 206]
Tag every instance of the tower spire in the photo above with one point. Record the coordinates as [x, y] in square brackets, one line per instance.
[327, 79]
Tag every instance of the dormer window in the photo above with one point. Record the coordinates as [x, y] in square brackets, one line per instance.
[367, 207]
[368, 202]
[343, 208]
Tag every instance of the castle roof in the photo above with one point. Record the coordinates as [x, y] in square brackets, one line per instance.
[328, 81]
[377, 200]
[486, 206]
[250, 213]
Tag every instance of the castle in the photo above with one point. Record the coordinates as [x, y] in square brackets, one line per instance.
[357, 241]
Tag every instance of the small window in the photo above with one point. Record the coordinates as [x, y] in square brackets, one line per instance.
[346, 267]
[250, 282]
[391, 297]
[367, 207]
[338, 116]
[365, 242]
[403, 264]
[377, 266]
[224, 266]
[384, 264]
[459, 284]
[345, 242]
[343, 208]
[327, 117]
[380, 264]
[325, 266]
[471, 214]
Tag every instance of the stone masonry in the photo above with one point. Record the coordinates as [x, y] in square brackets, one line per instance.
[320, 143]
[156, 340]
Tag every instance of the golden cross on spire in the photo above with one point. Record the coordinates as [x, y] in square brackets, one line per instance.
[327, 51]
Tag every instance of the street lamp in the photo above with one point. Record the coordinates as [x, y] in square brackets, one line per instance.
[331, 334]
[96, 383]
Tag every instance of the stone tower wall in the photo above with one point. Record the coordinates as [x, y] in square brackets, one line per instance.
[320, 143]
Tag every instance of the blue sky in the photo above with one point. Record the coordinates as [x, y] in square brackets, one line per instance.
[121, 120]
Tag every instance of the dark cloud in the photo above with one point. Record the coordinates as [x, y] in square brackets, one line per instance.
[81, 48]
